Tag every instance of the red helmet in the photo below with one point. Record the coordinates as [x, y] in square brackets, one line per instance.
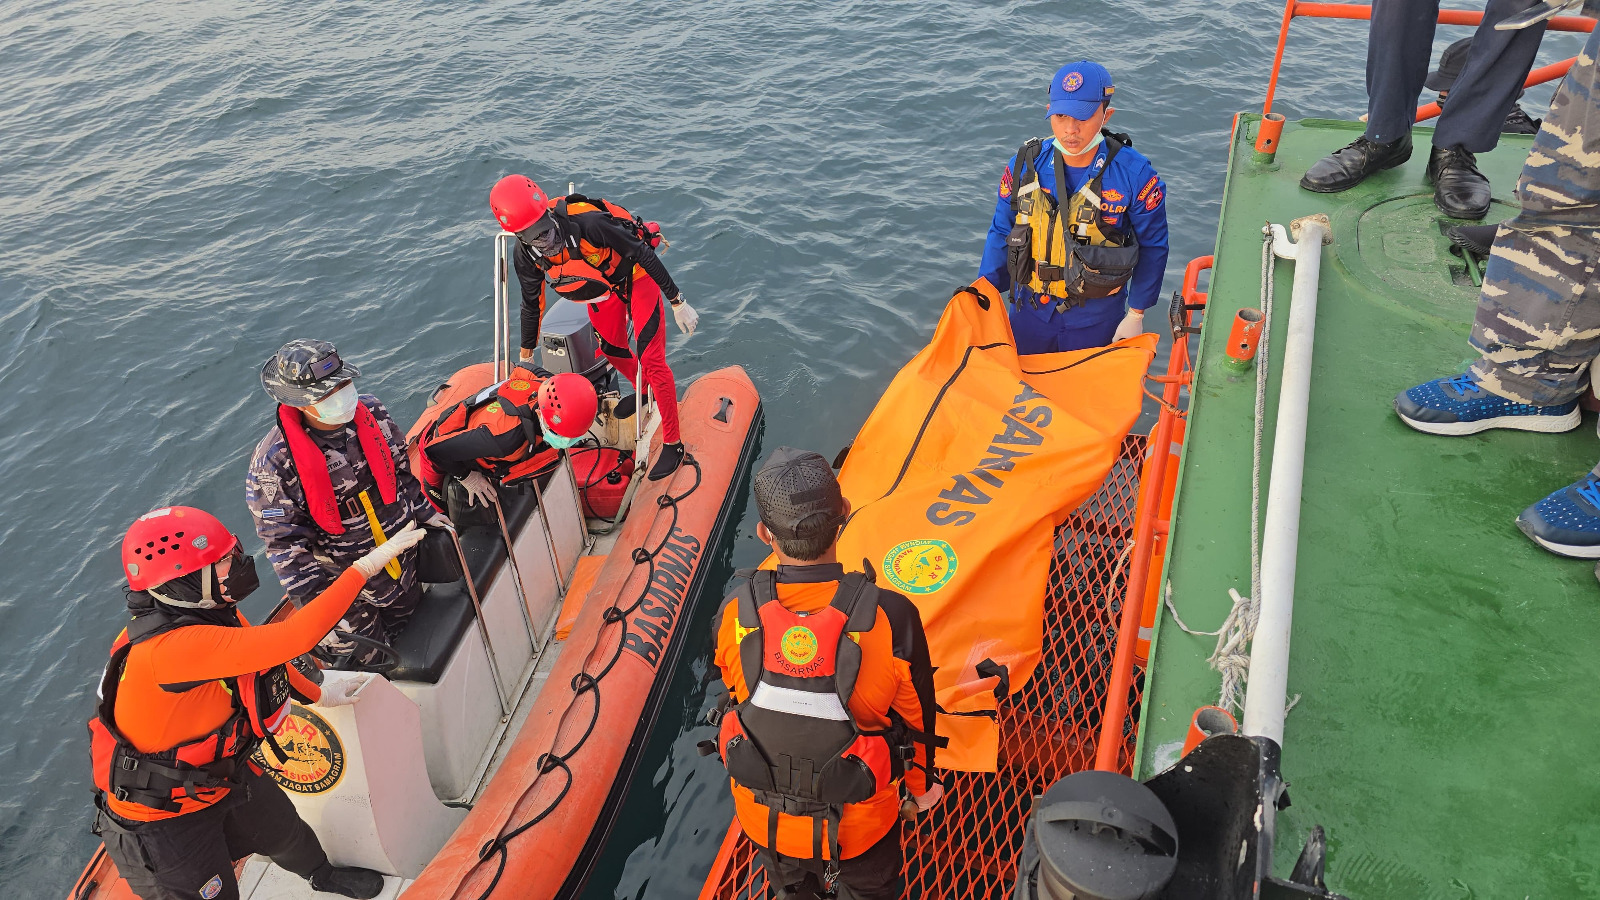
[568, 404]
[171, 542]
[517, 202]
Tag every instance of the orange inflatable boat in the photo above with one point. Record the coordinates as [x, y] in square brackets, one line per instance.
[490, 761]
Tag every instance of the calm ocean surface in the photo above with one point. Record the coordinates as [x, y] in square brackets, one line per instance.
[186, 185]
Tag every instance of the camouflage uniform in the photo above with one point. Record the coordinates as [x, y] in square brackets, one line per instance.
[1538, 319]
[308, 559]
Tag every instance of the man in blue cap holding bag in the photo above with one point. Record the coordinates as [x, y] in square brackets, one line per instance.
[1079, 235]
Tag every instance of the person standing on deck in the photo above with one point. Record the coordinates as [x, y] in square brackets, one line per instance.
[829, 674]
[1081, 270]
[597, 253]
[1399, 45]
[330, 482]
[190, 692]
[1537, 327]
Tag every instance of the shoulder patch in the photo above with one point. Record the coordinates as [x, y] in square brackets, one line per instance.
[1154, 200]
[1007, 181]
[272, 513]
[1145, 191]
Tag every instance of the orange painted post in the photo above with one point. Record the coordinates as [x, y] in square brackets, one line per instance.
[1208, 721]
[1267, 138]
[1152, 593]
[1108, 751]
[1277, 59]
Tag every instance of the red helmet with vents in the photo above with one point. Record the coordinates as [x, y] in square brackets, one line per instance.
[171, 542]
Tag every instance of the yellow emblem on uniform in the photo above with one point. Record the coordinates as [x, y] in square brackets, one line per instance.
[315, 760]
[920, 567]
[592, 259]
[495, 407]
[799, 645]
[519, 385]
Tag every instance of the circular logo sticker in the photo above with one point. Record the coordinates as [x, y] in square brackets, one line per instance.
[519, 385]
[799, 645]
[316, 758]
[920, 567]
[1072, 82]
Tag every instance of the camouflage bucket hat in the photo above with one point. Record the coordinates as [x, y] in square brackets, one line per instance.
[304, 371]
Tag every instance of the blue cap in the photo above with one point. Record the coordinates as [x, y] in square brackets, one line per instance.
[1078, 89]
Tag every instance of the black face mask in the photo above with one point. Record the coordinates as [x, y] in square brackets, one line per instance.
[544, 236]
[242, 579]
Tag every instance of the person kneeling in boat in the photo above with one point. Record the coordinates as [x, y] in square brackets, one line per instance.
[828, 674]
[597, 253]
[506, 433]
[330, 482]
[1081, 271]
[190, 692]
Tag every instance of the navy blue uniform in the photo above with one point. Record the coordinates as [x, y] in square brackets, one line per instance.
[1133, 196]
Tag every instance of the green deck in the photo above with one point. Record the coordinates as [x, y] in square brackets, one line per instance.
[1448, 668]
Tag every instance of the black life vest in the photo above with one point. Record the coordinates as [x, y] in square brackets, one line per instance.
[585, 272]
[213, 760]
[496, 430]
[1063, 250]
[793, 742]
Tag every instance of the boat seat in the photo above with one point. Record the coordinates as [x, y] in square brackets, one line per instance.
[444, 614]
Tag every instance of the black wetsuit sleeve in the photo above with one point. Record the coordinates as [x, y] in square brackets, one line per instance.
[911, 645]
[601, 231]
[531, 279]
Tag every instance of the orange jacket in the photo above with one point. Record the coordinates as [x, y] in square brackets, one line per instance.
[155, 719]
[895, 675]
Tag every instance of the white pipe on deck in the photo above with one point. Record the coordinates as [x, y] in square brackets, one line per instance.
[1269, 651]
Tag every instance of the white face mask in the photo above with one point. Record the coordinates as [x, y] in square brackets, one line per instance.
[337, 408]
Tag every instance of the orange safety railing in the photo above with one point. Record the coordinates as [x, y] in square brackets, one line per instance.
[1080, 705]
[1294, 9]
[1111, 746]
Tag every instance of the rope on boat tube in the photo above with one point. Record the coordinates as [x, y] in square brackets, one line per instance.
[588, 682]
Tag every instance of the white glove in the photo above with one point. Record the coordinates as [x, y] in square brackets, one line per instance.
[1131, 324]
[688, 319]
[480, 492]
[383, 554]
[342, 692]
[926, 801]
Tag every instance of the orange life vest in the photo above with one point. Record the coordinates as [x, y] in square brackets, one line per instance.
[593, 274]
[213, 760]
[496, 430]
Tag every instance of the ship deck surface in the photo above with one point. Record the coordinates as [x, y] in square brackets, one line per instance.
[1444, 734]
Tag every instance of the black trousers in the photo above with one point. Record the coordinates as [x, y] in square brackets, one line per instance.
[873, 875]
[1400, 52]
[192, 855]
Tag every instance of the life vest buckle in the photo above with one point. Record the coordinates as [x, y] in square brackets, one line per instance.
[1048, 272]
[127, 764]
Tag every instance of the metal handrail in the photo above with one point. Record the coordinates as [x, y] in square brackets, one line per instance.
[1294, 9]
[516, 573]
[483, 625]
[1108, 750]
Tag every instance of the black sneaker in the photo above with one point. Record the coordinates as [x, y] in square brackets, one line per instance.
[1475, 239]
[347, 881]
[625, 407]
[1350, 165]
[1459, 189]
[1519, 122]
[672, 456]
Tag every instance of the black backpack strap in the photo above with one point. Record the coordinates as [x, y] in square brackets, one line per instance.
[857, 598]
[1026, 170]
[759, 589]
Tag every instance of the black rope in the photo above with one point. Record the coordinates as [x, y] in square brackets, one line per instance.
[584, 682]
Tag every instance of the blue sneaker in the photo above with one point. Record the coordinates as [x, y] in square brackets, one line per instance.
[1459, 405]
[1568, 521]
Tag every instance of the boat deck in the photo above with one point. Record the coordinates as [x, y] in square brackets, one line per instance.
[1444, 663]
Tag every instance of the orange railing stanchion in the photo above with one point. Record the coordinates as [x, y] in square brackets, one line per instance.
[1109, 749]
[1277, 58]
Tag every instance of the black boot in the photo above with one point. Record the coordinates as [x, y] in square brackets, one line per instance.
[626, 407]
[668, 462]
[1350, 165]
[1475, 239]
[346, 881]
[1459, 189]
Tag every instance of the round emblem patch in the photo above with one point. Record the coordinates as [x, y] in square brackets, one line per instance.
[316, 758]
[1072, 82]
[920, 567]
[799, 645]
[519, 385]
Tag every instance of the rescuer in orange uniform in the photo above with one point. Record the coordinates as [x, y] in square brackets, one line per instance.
[190, 692]
[828, 734]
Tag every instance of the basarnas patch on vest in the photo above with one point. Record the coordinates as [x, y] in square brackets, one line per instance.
[315, 760]
[920, 566]
[799, 645]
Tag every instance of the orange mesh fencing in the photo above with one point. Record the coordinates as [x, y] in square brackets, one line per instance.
[967, 846]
